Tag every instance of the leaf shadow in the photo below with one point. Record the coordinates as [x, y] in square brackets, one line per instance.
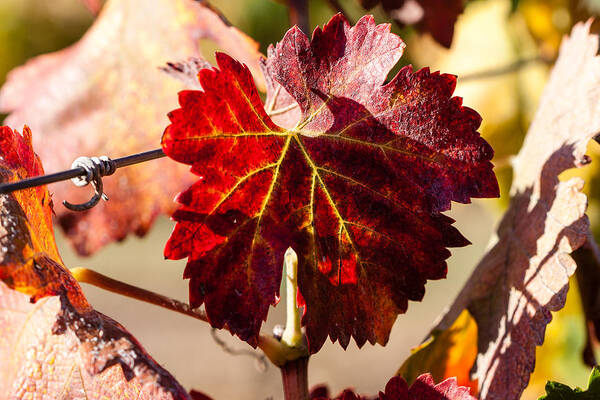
[509, 324]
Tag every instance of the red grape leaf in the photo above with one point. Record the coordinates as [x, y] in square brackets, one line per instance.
[356, 188]
[526, 273]
[106, 95]
[59, 347]
[424, 388]
[436, 17]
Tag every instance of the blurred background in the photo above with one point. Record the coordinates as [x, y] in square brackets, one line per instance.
[489, 36]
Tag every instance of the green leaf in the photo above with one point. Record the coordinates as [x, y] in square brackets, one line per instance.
[513, 5]
[558, 391]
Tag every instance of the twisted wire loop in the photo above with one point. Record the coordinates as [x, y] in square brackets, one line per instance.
[94, 169]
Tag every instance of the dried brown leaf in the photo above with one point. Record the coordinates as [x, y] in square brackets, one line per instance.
[107, 95]
[49, 349]
[525, 275]
[53, 344]
[187, 71]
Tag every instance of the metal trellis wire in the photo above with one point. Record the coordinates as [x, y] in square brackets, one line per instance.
[84, 170]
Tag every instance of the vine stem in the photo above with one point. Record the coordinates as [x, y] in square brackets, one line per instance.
[274, 350]
[112, 285]
[298, 10]
[295, 379]
[587, 274]
[506, 69]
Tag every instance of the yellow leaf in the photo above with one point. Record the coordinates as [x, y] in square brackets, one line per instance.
[445, 354]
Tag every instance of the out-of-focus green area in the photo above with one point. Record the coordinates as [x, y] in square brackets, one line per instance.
[487, 37]
[30, 28]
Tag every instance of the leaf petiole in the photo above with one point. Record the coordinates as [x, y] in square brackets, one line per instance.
[292, 335]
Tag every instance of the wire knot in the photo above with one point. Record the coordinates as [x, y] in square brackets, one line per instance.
[94, 169]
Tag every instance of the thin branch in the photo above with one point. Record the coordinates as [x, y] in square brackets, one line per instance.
[260, 358]
[506, 69]
[112, 285]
